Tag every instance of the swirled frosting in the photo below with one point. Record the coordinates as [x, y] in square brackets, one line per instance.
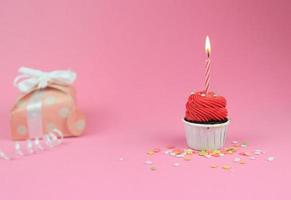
[206, 108]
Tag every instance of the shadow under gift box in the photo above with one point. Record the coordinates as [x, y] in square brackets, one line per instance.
[42, 110]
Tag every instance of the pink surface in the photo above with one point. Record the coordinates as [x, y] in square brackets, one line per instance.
[137, 63]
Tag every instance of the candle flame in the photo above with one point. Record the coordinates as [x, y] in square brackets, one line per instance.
[207, 46]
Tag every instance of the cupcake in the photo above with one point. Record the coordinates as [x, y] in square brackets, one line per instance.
[206, 121]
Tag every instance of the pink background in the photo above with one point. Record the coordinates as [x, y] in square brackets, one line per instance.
[137, 62]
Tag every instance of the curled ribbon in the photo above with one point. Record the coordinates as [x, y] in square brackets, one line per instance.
[29, 79]
[50, 140]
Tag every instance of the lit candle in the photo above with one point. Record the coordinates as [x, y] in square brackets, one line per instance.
[207, 74]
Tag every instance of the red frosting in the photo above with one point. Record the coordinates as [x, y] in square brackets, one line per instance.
[208, 107]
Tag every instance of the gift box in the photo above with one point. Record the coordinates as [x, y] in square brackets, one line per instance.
[47, 103]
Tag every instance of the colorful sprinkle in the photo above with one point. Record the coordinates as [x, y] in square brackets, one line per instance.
[242, 162]
[235, 151]
[167, 152]
[244, 154]
[271, 158]
[150, 152]
[176, 164]
[226, 167]
[148, 162]
[213, 166]
[236, 145]
[230, 150]
[177, 151]
[180, 156]
[189, 151]
[208, 156]
[187, 158]
[152, 168]
[258, 152]
[215, 152]
[202, 153]
[253, 158]
[215, 155]
[156, 150]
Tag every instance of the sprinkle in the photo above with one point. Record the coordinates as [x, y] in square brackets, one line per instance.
[242, 162]
[150, 152]
[178, 151]
[243, 145]
[226, 167]
[236, 145]
[156, 150]
[208, 156]
[148, 162]
[234, 142]
[121, 159]
[271, 158]
[230, 150]
[258, 152]
[213, 166]
[4, 156]
[202, 153]
[237, 159]
[172, 154]
[221, 155]
[216, 155]
[152, 168]
[167, 152]
[209, 151]
[253, 158]
[176, 164]
[244, 154]
[223, 151]
[215, 152]
[189, 152]
[187, 158]
[180, 156]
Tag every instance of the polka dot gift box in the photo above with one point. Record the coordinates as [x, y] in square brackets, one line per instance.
[47, 103]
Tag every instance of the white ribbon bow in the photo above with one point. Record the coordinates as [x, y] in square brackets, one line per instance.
[32, 78]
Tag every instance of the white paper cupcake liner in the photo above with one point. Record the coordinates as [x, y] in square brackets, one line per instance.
[205, 136]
